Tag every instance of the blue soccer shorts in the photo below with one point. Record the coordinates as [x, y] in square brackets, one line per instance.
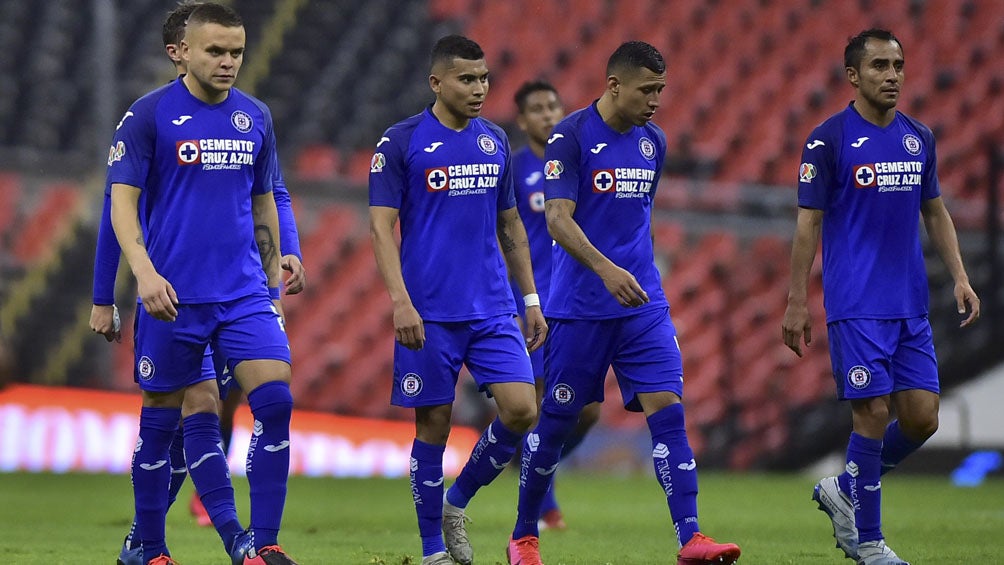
[493, 350]
[170, 355]
[642, 349]
[874, 358]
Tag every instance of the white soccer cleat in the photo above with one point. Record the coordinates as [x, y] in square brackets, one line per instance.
[878, 553]
[455, 534]
[838, 507]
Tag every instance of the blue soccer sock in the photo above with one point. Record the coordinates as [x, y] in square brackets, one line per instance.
[178, 474]
[675, 468]
[550, 498]
[151, 475]
[210, 474]
[550, 501]
[490, 456]
[896, 446]
[541, 453]
[864, 487]
[268, 459]
[427, 490]
[179, 469]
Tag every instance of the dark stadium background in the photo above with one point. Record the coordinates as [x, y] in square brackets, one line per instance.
[748, 80]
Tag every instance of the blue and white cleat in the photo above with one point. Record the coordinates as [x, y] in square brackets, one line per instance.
[838, 507]
[243, 545]
[132, 556]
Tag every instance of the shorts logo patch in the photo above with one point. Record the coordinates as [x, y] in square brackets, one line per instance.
[487, 144]
[859, 377]
[145, 368]
[411, 385]
[563, 394]
[241, 121]
[912, 144]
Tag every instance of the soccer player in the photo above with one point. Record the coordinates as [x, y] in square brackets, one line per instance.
[606, 305]
[191, 172]
[446, 173]
[867, 174]
[539, 109]
[103, 311]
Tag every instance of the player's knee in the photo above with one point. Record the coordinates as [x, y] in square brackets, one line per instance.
[519, 417]
[920, 428]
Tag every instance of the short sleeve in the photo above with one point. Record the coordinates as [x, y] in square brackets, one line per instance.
[561, 163]
[388, 176]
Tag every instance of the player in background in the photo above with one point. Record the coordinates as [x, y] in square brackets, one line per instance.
[103, 312]
[446, 173]
[867, 174]
[606, 304]
[173, 145]
[539, 109]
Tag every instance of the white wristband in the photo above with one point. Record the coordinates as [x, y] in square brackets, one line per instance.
[531, 300]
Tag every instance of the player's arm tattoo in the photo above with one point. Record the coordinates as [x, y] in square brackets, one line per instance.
[266, 244]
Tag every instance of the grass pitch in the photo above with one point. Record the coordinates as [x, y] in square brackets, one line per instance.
[51, 519]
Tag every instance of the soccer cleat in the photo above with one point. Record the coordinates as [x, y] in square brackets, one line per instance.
[552, 520]
[132, 556]
[441, 558]
[199, 511]
[162, 560]
[838, 507]
[524, 551]
[242, 546]
[877, 553]
[268, 555]
[702, 550]
[455, 534]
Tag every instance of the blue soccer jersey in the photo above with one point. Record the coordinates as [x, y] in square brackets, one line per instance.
[198, 166]
[528, 181]
[612, 178]
[870, 181]
[449, 187]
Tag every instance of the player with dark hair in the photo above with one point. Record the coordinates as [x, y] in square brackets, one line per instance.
[539, 109]
[867, 174]
[446, 174]
[172, 144]
[602, 166]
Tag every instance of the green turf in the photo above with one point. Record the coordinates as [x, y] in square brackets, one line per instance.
[51, 519]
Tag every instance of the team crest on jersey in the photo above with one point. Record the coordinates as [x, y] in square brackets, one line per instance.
[647, 148]
[912, 144]
[553, 169]
[864, 176]
[537, 201]
[377, 162]
[241, 121]
[603, 180]
[188, 152]
[859, 377]
[411, 385]
[487, 144]
[116, 152]
[437, 179]
[806, 172]
[145, 368]
[563, 394]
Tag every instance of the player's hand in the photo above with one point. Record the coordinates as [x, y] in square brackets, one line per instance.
[298, 275]
[624, 287]
[534, 329]
[103, 321]
[965, 295]
[158, 296]
[797, 322]
[408, 327]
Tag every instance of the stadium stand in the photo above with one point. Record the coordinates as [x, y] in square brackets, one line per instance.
[748, 80]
